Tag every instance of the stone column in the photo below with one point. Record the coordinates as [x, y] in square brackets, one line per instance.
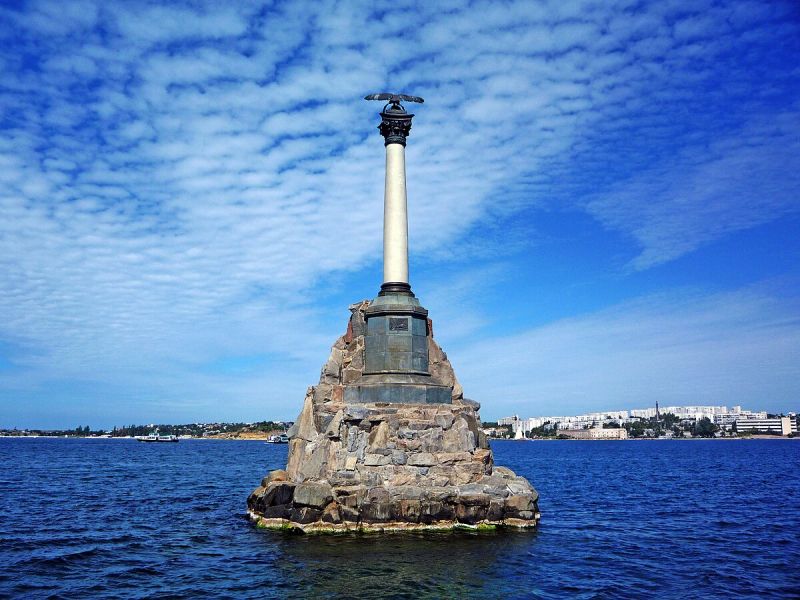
[395, 217]
[395, 126]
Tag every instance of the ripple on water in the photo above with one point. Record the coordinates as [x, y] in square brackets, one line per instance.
[93, 518]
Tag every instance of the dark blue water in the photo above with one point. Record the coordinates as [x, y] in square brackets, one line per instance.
[91, 518]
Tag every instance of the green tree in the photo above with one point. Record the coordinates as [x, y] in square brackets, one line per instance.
[705, 428]
[636, 428]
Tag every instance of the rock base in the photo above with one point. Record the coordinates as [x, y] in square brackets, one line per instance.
[388, 466]
[497, 499]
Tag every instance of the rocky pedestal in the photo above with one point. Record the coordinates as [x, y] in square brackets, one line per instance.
[387, 465]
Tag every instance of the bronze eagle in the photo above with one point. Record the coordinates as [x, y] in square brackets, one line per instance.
[394, 98]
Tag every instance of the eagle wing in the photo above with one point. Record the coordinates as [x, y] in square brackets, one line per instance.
[411, 98]
[383, 96]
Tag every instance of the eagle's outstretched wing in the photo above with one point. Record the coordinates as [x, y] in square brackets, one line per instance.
[396, 98]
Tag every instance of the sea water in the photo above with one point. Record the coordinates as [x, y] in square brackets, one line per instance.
[86, 518]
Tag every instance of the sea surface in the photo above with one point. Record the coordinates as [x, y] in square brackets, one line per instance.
[637, 519]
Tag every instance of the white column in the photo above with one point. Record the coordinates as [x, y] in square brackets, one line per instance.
[395, 216]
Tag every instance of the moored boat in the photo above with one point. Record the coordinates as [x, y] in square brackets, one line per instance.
[156, 437]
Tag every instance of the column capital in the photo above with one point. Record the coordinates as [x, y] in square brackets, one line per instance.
[395, 124]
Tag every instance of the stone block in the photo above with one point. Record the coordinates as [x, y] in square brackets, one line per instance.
[449, 458]
[322, 419]
[279, 492]
[342, 478]
[332, 430]
[297, 448]
[255, 499]
[444, 420]
[322, 393]
[305, 425]
[378, 437]
[357, 362]
[504, 472]
[421, 459]
[432, 440]
[314, 462]
[316, 495]
[350, 375]
[377, 460]
[305, 514]
[350, 515]
[471, 514]
[351, 496]
[406, 510]
[494, 482]
[496, 510]
[399, 457]
[337, 394]
[277, 511]
[520, 486]
[331, 514]
[276, 475]
[350, 463]
[516, 503]
[432, 511]
[402, 476]
[355, 413]
[376, 507]
[412, 492]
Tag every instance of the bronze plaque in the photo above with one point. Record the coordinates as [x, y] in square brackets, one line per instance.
[398, 324]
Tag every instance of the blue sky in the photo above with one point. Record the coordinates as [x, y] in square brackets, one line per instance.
[603, 202]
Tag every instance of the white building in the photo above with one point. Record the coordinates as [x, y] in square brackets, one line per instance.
[779, 425]
[597, 433]
[726, 420]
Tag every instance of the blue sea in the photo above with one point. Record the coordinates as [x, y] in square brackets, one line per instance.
[638, 519]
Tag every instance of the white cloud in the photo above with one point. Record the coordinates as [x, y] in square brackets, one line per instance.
[170, 169]
[745, 179]
[735, 348]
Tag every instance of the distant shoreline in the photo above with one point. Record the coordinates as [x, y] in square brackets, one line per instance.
[73, 437]
[266, 438]
[677, 439]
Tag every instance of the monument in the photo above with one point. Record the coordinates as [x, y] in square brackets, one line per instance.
[386, 439]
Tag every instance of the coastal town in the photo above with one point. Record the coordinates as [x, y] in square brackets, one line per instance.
[669, 422]
[260, 430]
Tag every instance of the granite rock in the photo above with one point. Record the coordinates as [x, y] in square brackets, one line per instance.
[388, 466]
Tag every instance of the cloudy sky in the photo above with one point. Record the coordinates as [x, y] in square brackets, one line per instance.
[604, 201]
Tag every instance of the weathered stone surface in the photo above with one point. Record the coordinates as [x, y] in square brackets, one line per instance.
[517, 503]
[421, 459]
[304, 428]
[305, 514]
[278, 475]
[379, 436]
[386, 465]
[316, 495]
[332, 431]
[331, 514]
[376, 460]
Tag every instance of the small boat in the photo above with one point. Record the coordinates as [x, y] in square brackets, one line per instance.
[278, 439]
[156, 437]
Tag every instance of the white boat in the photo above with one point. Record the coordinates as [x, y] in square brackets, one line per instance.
[278, 439]
[156, 437]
